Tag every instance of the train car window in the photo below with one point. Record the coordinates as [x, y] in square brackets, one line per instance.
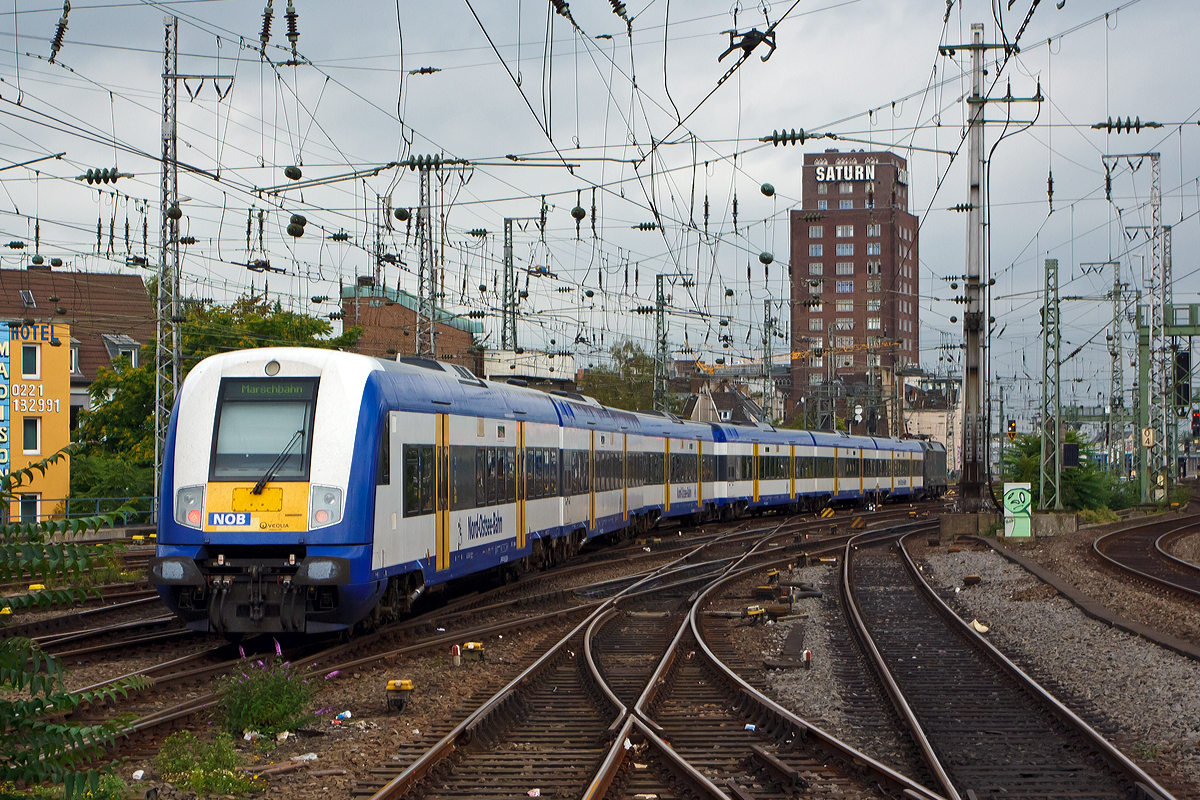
[490, 480]
[383, 473]
[510, 473]
[480, 477]
[412, 481]
[427, 479]
[554, 473]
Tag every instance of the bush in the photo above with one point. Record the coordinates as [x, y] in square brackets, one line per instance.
[1089, 516]
[266, 697]
[204, 768]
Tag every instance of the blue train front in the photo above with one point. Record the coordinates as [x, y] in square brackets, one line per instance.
[265, 513]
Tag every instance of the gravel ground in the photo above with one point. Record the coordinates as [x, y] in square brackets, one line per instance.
[1143, 698]
[1187, 548]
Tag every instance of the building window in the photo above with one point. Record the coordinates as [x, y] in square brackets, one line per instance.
[874, 286]
[845, 268]
[816, 287]
[845, 287]
[724, 415]
[843, 341]
[845, 249]
[846, 205]
[814, 378]
[845, 323]
[822, 205]
[131, 355]
[845, 361]
[845, 231]
[816, 250]
[29, 507]
[872, 359]
[874, 267]
[822, 188]
[870, 202]
[845, 306]
[845, 188]
[874, 341]
[874, 323]
[74, 360]
[816, 231]
[816, 324]
[31, 362]
[874, 305]
[31, 435]
[874, 248]
[873, 229]
[815, 268]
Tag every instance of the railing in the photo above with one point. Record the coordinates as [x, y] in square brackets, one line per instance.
[77, 507]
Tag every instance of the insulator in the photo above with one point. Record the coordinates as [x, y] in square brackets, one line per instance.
[340, 236]
[188, 240]
[38, 260]
[523, 294]
[562, 8]
[56, 262]
[268, 14]
[175, 212]
[293, 25]
[16, 244]
[320, 298]
[724, 323]
[57, 42]
[477, 232]
[589, 293]
[295, 230]
[402, 214]
[619, 9]
[292, 173]
[578, 213]
[482, 288]
[336, 315]
[422, 162]
[729, 292]
[646, 226]
[735, 212]
[768, 190]
[765, 257]
[785, 137]
[299, 219]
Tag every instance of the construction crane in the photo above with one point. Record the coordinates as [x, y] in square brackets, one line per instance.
[815, 352]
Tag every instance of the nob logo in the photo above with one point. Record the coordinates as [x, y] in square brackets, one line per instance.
[228, 519]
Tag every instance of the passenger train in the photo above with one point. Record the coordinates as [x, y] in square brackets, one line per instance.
[309, 490]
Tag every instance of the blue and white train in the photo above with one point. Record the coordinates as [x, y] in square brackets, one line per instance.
[310, 490]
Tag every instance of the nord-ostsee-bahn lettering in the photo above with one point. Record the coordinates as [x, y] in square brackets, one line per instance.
[312, 490]
[5, 383]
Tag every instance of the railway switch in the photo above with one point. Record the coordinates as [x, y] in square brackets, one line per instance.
[398, 694]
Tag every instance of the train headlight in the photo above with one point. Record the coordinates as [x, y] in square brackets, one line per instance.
[189, 506]
[325, 507]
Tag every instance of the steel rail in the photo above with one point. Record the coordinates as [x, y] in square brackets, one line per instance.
[1147, 785]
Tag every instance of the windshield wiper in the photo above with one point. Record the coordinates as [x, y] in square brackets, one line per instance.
[270, 473]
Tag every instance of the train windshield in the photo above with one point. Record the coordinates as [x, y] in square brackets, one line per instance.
[264, 425]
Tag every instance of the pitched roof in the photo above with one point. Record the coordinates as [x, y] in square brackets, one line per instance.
[94, 304]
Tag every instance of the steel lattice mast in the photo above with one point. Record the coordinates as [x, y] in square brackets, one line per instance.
[1050, 477]
[166, 347]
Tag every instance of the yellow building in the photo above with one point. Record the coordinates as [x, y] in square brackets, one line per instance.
[35, 413]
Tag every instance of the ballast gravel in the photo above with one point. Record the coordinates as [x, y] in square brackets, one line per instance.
[1144, 698]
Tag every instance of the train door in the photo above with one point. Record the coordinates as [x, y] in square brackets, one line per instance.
[666, 474]
[754, 470]
[862, 455]
[700, 473]
[522, 524]
[837, 470]
[625, 476]
[592, 480]
[441, 480]
[792, 471]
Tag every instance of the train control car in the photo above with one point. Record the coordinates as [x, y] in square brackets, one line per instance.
[311, 491]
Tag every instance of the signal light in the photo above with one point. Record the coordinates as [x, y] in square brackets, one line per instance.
[1195, 423]
[1012, 429]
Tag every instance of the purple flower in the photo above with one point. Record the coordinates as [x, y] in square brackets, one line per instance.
[260, 662]
[278, 649]
[335, 673]
[324, 711]
[241, 652]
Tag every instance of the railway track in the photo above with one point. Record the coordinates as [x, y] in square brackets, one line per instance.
[982, 725]
[570, 722]
[1142, 553]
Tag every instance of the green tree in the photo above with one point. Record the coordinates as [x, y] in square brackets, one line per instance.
[628, 383]
[35, 744]
[1085, 486]
[118, 431]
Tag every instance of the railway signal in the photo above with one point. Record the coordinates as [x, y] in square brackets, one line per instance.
[1012, 430]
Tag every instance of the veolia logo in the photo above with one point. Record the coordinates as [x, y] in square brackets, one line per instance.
[228, 519]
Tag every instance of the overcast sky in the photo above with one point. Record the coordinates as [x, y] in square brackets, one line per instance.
[519, 80]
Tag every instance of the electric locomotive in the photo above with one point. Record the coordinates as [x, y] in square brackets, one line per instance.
[310, 490]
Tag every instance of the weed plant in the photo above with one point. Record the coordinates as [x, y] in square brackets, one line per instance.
[188, 763]
[265, 696]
